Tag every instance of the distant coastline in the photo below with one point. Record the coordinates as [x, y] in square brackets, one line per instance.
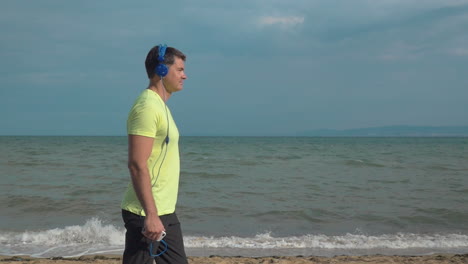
[392, 131]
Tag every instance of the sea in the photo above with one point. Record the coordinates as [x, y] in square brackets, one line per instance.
[244, 196]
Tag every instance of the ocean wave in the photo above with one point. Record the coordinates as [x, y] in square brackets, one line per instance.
[362, 163]
[347, 241]
[70, 241]
[206, 175]
[95, 237]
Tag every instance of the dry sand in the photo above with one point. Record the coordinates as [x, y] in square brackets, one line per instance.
[445, 258]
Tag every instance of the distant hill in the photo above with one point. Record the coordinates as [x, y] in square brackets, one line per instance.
[392, 131]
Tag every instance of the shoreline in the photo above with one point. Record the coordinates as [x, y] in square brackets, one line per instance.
[114, 259]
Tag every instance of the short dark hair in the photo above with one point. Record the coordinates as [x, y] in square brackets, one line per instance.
[152, 61]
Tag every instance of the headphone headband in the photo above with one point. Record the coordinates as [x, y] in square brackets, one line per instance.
[161, 69]
[161, 52]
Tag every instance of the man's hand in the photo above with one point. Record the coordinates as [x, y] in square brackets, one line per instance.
[153, 227]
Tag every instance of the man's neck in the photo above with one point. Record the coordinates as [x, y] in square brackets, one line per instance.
[158, 87]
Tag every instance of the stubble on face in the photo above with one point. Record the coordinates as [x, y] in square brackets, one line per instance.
[175, 78]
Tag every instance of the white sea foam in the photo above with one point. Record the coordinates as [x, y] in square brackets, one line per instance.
[348, 241]
[91, 238]
[94, 237]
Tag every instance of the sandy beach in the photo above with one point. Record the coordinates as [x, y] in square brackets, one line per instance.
[437, 258]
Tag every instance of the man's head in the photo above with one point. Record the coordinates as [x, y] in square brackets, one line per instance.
[169, 58]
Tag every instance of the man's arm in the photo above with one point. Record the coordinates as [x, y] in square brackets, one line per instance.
[139, 150]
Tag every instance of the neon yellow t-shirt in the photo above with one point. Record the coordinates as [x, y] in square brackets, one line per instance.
[149, 117]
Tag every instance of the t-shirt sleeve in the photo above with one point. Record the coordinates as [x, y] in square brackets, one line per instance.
[142, 121]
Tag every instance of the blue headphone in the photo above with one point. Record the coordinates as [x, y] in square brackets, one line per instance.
[161, 69]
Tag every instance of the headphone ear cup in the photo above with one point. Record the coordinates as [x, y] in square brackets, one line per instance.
[161, 70]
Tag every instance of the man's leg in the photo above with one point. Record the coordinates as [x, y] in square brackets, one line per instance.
[136, 245]
[175, 253]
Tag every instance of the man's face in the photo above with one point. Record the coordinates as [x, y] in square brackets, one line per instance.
[174, 80]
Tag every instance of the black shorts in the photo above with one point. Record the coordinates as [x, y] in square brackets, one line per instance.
[137, 246]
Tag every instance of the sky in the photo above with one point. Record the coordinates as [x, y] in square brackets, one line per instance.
[254, 67]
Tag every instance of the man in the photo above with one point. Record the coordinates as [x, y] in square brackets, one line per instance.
[148, 207]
